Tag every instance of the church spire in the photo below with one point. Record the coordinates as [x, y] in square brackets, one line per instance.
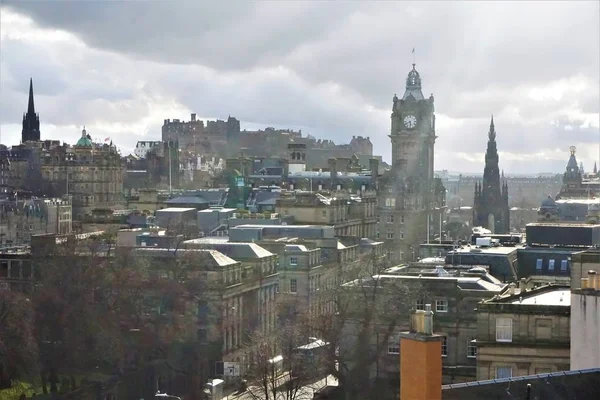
[30, 106]
[31, 121]
[595, 168]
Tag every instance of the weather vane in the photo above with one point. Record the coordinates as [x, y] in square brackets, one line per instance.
[572, 149]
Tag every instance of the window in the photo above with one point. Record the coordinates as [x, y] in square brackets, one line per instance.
[401, 256]
[504, 329]
[293, 261]
[293, 285]
[563, 265]
[394, 345]
[551, 265]
[390, 234]
[441, 305]
[538, 264]
[420, 304]
[390, 219]
[471, 348]
[503, 372]
[390, 202]
[444, 346]
[390, 254]
[543, 328]
[401, 235]
[324, 213]
[402, 219]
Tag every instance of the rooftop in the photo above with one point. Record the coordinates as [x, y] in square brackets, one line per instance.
[499, 250]
[546, 295]
[221, 210]
[575, 385]
[176, 209]
[216, 258]
[232, 249]
[559, 297]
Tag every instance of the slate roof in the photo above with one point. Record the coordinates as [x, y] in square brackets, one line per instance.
[572, 385]
[234, 250]
[214, 259]
[187, 200]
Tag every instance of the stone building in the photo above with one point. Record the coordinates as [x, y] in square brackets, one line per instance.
[490, 205]
[410, 197]
[524, 333]
[193, 135]
[239, 299]
[350, 214]
[142, 147]
[21, 218]
[91, 173]
[453, 293]
[585, 315]
[574, 185]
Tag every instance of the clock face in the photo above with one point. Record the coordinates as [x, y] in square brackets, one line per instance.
[410, 121]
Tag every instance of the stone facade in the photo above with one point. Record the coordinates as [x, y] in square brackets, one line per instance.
[194, 136]
[585, 317]
[22, 218]
[453, 295]
[410, 197]
[91, 173]
[525, 333]
[351, 215]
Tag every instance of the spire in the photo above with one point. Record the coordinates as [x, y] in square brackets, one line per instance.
[492, 132]
[31, 121]
[413, 86]
[595, 168]
[31, 106]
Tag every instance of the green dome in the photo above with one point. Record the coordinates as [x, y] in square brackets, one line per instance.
[84, 140]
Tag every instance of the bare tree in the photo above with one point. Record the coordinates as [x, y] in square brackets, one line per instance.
[277, 370]
[367, 309]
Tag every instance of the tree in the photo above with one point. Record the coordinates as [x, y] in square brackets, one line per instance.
[277, 372]
[18, 348]
[367, 311]
[76, 331]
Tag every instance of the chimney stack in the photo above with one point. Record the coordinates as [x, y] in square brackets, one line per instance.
[421, 359]
[374, 167]
[332, 162]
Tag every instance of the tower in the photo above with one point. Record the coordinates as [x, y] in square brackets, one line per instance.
[409, 192]
[297, 157]
[31, 120]
[490, 205]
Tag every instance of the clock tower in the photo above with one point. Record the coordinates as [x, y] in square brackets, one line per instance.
[409, 191]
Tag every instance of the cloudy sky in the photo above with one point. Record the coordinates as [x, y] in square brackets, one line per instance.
[329, 68]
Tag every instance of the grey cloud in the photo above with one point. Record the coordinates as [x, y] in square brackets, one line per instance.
[215, 59]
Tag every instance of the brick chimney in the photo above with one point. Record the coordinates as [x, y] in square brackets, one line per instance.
[421, 359]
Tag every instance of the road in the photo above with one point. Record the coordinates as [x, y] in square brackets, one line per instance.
[305, 392]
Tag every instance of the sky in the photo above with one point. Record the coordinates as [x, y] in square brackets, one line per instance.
[329, 68]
